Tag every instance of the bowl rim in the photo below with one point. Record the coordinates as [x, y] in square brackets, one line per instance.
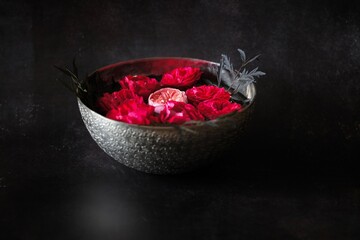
[167, 127]
[112, 65]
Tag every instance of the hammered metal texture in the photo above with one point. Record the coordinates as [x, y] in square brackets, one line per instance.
[165, 150]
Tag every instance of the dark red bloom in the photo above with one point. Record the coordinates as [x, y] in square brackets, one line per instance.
[181, 78]
[140, 85]
[215, 108]
[179, 112]
[202, 93]
[133, 112]
[111, 100]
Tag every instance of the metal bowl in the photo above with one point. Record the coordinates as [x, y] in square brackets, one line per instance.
[162, 149]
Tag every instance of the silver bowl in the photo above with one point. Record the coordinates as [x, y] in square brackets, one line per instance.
[162, 149]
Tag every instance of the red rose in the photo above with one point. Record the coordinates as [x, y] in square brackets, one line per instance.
[181, 78]
[140, 85]
[202, 93]
[215, 108]
[133, 112]
[179, 112]
[111, 100]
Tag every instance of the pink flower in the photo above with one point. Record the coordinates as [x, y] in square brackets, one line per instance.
[111, 100]
[215, 108]
[179, 112]
[205, 92]
[140, 85]
[159, 98]
[133, 112]
[181, 78]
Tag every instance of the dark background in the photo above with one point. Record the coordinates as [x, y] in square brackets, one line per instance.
[293, 176]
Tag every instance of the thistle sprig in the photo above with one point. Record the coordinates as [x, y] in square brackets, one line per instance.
[237, 80]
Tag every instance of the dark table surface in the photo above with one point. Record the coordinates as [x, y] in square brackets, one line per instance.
[293, 176]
